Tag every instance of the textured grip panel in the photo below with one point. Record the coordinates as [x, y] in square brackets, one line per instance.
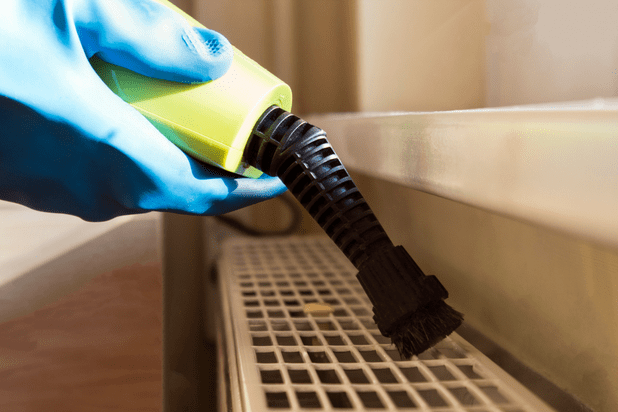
[298, 153]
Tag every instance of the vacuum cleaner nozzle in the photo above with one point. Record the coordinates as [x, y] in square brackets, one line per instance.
[408, 306]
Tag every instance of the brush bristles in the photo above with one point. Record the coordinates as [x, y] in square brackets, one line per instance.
[408, 306]
[424, 328]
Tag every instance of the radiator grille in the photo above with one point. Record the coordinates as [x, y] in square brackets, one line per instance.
[288, 360]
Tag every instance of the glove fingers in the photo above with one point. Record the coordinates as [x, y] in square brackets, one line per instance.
[151, 39]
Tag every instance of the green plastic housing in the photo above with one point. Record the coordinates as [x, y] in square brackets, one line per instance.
[210, 121]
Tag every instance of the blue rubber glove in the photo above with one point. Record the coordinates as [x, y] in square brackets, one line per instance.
[70, 145]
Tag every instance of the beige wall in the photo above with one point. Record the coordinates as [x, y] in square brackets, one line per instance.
[341, 55]
[550, 50]
[349, 55]
[421, 55]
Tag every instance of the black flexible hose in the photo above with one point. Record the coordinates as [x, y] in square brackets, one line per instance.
[298, 153]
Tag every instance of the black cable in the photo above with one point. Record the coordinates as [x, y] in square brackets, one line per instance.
[291, 228]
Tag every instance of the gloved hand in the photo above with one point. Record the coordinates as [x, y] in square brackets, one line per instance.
[70, 145]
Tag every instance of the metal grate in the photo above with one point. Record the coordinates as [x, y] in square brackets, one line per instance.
[284, 359]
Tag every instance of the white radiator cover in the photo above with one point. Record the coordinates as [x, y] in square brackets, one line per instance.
[284, 359]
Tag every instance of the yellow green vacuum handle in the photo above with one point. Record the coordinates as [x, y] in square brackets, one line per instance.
[210, 121]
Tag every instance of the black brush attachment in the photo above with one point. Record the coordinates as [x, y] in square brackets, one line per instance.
[408, 306]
